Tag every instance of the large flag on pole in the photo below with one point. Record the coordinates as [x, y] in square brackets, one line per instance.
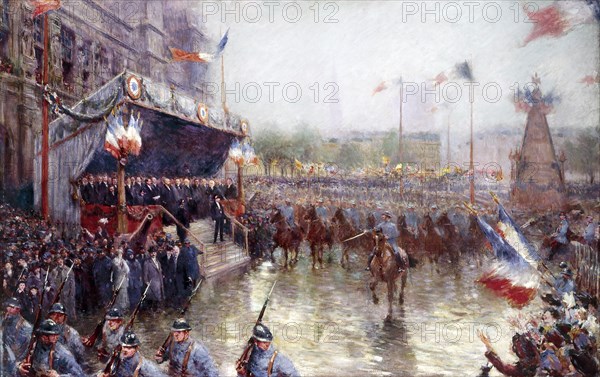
[43, 6]
[511, 276]
[511, 232]
[200, 57]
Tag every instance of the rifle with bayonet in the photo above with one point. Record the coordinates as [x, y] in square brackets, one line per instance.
[161, 351]
[38, 319]
[113, 363]
[91, 340]
[241, 365]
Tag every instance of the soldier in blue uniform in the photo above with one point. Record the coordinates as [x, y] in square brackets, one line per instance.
[321, 211]
[589, 234]
[287, 211]
[111, 333]
[16, 334]
[390, 231]
[352, 214]
[412, 220]
[69, 337]
[187, 357]
[131, 362]
[559, 238]
[565, 283]
[50, 358]
[265, 361]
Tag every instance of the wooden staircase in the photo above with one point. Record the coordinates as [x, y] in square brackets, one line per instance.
[218, 258]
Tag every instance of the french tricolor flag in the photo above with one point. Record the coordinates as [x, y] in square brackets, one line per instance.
[513, 275]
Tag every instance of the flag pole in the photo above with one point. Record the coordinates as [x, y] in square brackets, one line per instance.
[400, 124]
[471, 165]
[45, 124]
[400, 154]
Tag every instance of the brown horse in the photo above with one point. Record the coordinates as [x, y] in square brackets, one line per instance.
[407, 239]
[384, 269]
[432, 241]
[345, 230]
[451, 237]
[474, 240]
[289, 239]
[318, 235]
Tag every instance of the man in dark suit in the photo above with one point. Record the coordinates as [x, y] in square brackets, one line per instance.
[102, 190]
[128, 192]
[183, 216]
[230, 190]
[218, 215]
[212, 190]
[111, 198]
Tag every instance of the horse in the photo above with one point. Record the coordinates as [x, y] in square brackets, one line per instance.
[318, 235]
[451, 237]
[474, 240]
[384, 269]
[346, 230]
[286, 237]
[432, 241]
[407, 240]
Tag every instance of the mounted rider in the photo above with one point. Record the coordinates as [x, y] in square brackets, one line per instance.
[287, 211]
[390, 231]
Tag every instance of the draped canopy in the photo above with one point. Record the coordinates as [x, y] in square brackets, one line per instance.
[175, 141]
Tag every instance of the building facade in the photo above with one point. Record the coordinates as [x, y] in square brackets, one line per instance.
[90, 42]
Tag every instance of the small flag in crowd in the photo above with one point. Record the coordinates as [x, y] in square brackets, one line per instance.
[43, 6]
[200, 57]
[298, 164]
[560, 18]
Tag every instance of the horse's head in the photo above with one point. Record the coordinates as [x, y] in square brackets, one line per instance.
[401, 221]
[379, 239]
[444, 220]
[311, 213]
[427, 222]
[275, 216]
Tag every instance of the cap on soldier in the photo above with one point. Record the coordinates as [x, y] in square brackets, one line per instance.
[114, 313]
[181, 324]
[320, 200]
[129, 339]
[387, 214]
[353, 202]
[262, 333]
[187, 240]
[58, 308]
[14, 302]
[49, 327]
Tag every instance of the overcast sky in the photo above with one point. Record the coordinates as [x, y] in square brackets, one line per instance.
[355, 45]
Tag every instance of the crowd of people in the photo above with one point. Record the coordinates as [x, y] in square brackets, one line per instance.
[559, 341]
[88, 270]
[92, 266]
[169, 192]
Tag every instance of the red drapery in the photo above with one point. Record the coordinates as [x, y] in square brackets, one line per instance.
[92, 213]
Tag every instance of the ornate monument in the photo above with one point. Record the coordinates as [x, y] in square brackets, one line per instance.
[537, 180]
